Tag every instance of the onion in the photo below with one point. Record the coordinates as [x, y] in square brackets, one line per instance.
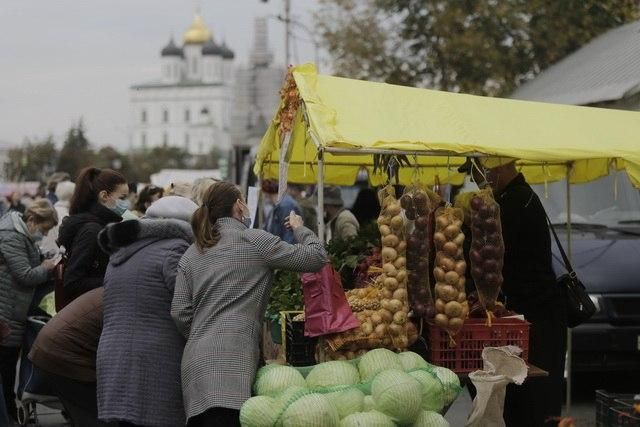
[389, 269]
[401, 342]
[393, 208]
[490, 265]
[389, 254]
[384, 220]
[462, 297]
[386, 293]
[456, 323]
[395, 305]
[451, 232]
[439, 274]
[441, 320]
[385, 304]
[366, 328]
[400, 318]
[402, 247]
[439, 239]
[461, 283]
[390, 240]
[386, 315]
[422, 222]
[376, 319]
[450, 248]
[447, 264]
[391, 283]
[400, 294]
[395, 329]
[461, 268]
[442, 222]
[451, 278]
[459, 239]
[440, 305]
[447, 293]
[385, 230]
[452, 309]
[400, 262]
[476, 203]
[397, 222]
[402, 276]
[381, 330]
[406, 202]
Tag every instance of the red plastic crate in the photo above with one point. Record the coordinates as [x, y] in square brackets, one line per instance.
[474, 336]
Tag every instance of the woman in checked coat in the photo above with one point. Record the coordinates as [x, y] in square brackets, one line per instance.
[221, 293]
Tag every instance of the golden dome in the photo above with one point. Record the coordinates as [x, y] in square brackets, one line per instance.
[198, 32]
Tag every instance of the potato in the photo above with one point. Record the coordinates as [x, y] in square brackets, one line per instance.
[390, 240]
[451, 309]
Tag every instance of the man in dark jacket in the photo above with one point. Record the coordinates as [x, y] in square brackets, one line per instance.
[65, 350]
[529, 288]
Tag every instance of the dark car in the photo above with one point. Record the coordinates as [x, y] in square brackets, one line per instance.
[607, 260]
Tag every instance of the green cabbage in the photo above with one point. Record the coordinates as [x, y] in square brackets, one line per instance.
[333, 373]
[397, 394]
[259, 411]
[369, 404]
[411, 360]
[274, 379]
[432, 390]
[346, 402]
[450, 382]
[367, 419]
[312, 410]
[430, 419]
[376, 361]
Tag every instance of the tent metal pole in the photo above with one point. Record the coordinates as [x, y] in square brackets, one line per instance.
[321, 194]
[569, 335]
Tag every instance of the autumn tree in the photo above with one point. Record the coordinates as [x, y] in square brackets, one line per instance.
[483, 47]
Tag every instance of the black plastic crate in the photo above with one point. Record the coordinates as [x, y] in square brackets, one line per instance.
[606, 401]
[623, 416]
[298, 349]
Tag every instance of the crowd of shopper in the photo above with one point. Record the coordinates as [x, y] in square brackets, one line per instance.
[160, 318]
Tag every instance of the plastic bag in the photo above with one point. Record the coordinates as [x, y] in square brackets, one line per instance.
[325, 304]
[417, 206]
[449, 271]
[487, 249]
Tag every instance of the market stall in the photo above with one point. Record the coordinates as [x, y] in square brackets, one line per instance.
[328, 129]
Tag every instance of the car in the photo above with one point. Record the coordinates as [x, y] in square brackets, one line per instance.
[605, 236]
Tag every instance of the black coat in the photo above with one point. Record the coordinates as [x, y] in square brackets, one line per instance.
[87, 263]
[529, 281]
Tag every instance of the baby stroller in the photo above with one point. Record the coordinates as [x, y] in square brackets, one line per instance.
[31, 389]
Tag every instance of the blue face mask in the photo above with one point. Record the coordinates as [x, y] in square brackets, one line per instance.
[120, 207]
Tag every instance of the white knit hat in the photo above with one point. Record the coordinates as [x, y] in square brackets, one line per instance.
[176, 207]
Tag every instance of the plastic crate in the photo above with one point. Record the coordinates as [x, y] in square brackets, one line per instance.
[620, 416]
[466, 355]
[298, 349]
[622, 402]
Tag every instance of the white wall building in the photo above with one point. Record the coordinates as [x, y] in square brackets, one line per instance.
[190, 105]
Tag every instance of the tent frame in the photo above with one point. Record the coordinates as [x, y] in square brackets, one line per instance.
[349, 151]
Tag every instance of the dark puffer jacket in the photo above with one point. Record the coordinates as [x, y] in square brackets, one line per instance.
[87, 263]
[20, 274]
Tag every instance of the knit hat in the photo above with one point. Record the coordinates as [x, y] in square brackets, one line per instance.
[64, 190]
[176, 207]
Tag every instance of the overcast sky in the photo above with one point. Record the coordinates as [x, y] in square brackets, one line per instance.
[63, 59]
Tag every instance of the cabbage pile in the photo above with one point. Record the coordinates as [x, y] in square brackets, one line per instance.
[382, 389]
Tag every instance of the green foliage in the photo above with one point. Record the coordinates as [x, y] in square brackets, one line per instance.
[346, 253]
[483, 47]
[32, 161]
[286, 294]
[76, 151]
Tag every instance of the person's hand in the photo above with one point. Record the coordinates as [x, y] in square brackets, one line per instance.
[48, 264]
[293, 221]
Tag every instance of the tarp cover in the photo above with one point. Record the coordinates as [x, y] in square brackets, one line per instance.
[353, 114]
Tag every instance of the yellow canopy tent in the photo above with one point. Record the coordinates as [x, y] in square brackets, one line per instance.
[345, 121]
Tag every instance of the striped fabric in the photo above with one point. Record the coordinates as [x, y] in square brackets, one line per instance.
[219, 302]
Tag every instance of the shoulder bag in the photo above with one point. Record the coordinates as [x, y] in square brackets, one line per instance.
[579, 306]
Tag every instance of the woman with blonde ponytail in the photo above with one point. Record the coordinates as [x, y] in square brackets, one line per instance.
[221, 293]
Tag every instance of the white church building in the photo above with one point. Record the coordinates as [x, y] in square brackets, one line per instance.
[190, 105]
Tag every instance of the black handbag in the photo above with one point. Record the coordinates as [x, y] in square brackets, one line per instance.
[579, 306]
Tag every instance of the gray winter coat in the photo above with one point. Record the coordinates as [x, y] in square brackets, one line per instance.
[20, 274]
[138, 360]
[220, 300]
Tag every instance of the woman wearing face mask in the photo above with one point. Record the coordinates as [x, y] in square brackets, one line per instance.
[100, 198]
[21, 271]
[221, 293]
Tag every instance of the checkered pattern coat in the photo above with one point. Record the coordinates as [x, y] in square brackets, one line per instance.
[219, 302]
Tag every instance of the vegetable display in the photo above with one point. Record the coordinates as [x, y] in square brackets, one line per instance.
[417, 207]
[487, 249]
[449, 271]
[389, 396]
